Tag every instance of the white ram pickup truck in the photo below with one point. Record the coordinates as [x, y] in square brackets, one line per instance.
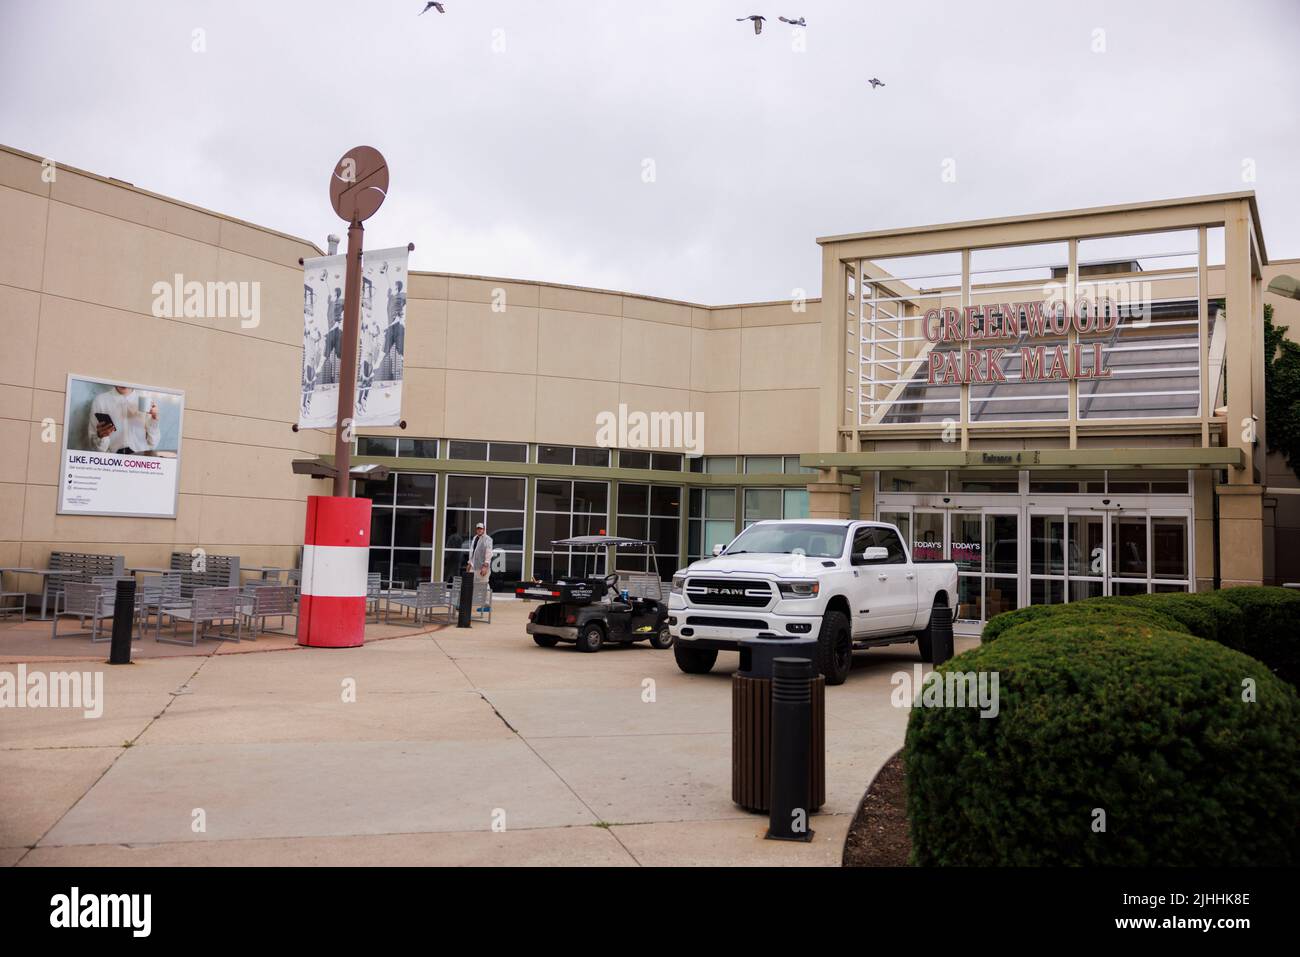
[852, 584]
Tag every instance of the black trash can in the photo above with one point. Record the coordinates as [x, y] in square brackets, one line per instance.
[751, 723]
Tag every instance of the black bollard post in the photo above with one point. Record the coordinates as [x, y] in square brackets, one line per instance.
[791, 727]
[466, 608]
[123, 618]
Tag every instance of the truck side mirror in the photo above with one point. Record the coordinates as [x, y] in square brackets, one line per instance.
[875, 554]
[717, 550]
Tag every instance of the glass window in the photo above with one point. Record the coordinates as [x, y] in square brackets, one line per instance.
[592, 458]
[1169, 548]
[888, 539]
[1147, 482]
[652, 512]
[712, 520]
[987, 482]
[554, 455]
[764, 464]
[380, 446]
[629, 459]
[792, 466]
[401, 537]
[418, 448]
[566, 509]
[815, 541]
[507, 452]
[377, 446]
[381, 493]
[762, 503]
[795, 503]
[913, 481]
[415, 489]
[467, 451]
[666, 461]
[498, 502]
[506, 493]
[1066, 482]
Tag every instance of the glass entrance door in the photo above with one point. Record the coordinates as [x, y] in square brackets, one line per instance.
[983, 542]
[1075, 554]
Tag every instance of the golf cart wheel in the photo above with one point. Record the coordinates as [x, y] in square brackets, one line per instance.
[694, 661]
[662, 639]
[546, 641]
[935, 641]
[835, 648]
[591, 637]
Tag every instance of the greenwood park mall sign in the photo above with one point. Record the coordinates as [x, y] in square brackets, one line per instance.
[1014, 322]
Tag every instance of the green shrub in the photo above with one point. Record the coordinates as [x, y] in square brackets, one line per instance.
[1091, 611]
[1270, 627]
[1205, 614]
[1261, 622]
[1147, 725]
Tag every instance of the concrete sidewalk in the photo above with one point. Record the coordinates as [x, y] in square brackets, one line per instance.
[460, 747]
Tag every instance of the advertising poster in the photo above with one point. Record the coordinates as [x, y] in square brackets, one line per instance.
[121, 449]
[382, 346]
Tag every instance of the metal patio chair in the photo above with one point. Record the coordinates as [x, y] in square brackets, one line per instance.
[480, 610]
[6, 609]
[374, 595]
[208, 606]
[85, 600]
[156, 593]
[267, 601]
[427, 597]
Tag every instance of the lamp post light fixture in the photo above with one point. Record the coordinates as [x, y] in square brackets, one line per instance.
[1286, 286]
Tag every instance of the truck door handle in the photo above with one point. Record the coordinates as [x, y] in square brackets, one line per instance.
[910, 576]
[883, 578]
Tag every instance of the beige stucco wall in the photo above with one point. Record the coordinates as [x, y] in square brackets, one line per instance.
[542, 365]
[78, 260]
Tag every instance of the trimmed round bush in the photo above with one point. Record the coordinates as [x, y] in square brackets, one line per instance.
[1144, 724]
[1261, 622]
[1271, 627]
[1091, 611]
[1204, 614]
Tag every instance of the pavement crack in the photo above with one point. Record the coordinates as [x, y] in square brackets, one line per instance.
[125, 746]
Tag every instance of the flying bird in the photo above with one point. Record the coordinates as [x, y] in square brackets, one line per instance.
[758, 22]
[875, 83]
[433, 5]
[801, 22]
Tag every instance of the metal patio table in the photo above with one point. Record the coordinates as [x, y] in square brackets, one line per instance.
[47, 574]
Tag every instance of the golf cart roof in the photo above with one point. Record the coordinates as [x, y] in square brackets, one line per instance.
[600, 541]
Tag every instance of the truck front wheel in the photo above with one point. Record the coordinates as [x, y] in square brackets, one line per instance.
[694, 661]
[835, 648]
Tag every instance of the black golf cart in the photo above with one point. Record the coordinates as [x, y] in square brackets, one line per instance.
[592, 610]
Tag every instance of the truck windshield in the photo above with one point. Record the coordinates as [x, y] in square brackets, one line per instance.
[815, 541]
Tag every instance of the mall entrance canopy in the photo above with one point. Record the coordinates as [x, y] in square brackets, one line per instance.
[1120, 337]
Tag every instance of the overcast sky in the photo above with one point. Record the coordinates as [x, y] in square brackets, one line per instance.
[529, 161]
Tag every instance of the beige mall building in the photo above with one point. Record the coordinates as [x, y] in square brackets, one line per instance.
[1068, 404]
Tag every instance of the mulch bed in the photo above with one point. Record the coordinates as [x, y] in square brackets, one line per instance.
[879, 835]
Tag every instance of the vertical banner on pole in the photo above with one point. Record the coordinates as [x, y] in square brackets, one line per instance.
[381, 351]
[335, 559]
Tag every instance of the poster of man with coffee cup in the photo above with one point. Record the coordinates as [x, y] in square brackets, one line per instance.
[121, 449]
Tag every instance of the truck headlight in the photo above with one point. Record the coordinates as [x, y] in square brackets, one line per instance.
[808, 589]
[678, 582]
